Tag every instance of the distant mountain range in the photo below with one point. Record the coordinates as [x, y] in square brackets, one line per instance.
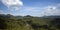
[51, 17]
[8, 16]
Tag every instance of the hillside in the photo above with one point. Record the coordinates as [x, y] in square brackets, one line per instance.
[10, 22]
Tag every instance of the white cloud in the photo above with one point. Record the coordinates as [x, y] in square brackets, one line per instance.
[38, 11]
[13, 4]
[1, 12]
[32, 9]
[52, 10]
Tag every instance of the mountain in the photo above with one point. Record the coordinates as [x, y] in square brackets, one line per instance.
[51, 17]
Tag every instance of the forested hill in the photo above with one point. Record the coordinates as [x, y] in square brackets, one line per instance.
[10, 22]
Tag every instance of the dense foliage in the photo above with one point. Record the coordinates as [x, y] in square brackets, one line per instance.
[10, 22]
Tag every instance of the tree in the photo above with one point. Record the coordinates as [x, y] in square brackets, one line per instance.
[3, 24]
[55, 23]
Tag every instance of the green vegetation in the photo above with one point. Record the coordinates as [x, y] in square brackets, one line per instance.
[10, 22]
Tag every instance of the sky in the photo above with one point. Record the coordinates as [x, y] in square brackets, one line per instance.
[30, 7]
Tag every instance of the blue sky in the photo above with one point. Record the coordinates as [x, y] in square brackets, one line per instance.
[33, 8]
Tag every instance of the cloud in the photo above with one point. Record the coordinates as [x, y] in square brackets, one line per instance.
[33, 11]
[52, 10]
[1, 12]
[42, 11]
[13, 4]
